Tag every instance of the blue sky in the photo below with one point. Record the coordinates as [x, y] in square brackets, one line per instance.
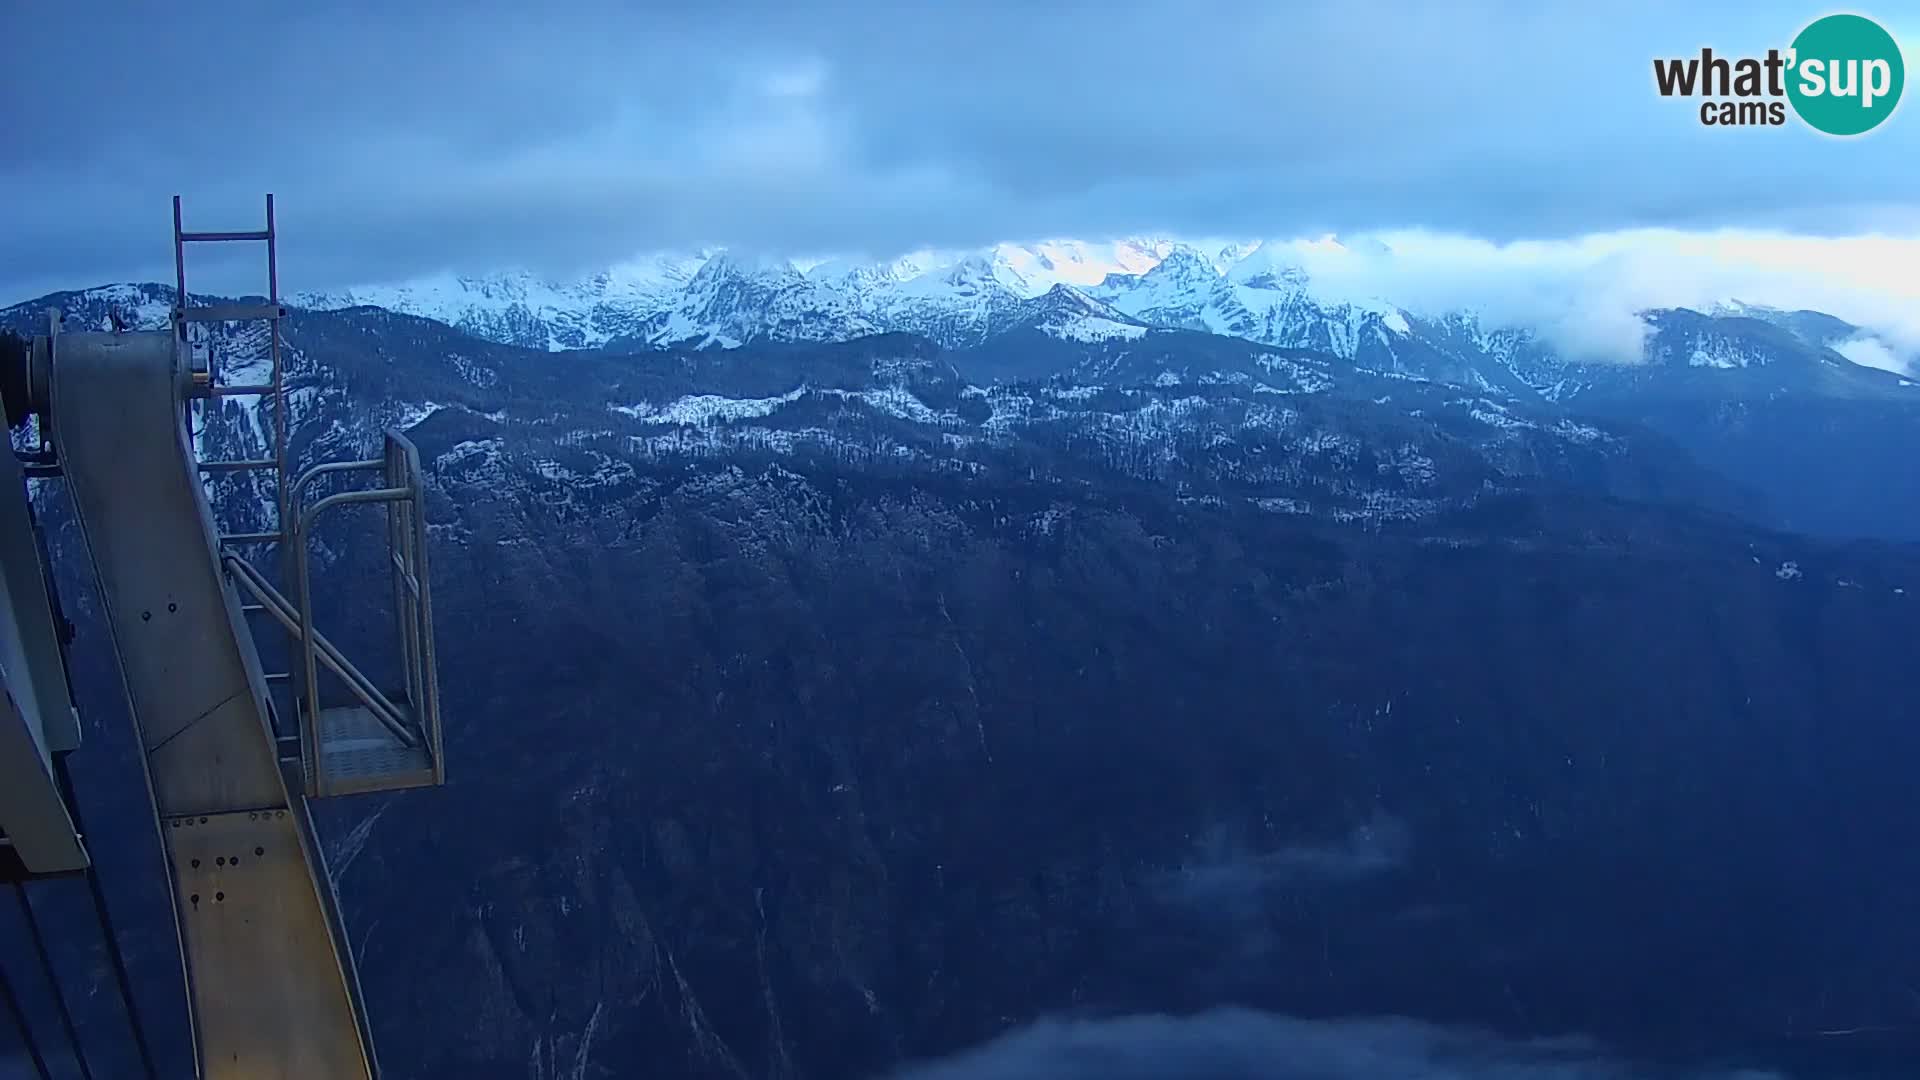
[404, 139]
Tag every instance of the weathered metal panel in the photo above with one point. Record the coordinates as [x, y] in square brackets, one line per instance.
[40, 835]
[36, 714]
[259, 951]
[30, 645]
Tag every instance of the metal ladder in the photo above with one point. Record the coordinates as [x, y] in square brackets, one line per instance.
[207, 379]
[271, 312]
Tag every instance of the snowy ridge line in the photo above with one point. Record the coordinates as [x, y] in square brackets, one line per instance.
[1160, 298]
[1075, 290]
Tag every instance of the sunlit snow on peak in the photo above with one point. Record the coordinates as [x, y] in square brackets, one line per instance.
[1040, 266]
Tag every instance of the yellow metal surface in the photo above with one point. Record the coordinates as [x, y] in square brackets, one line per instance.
[258, 948]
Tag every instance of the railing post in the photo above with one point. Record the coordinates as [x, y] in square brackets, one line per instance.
[429, 666]
[310, 688]
[400, 558]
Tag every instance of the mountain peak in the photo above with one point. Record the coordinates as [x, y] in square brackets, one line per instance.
[726, 264]
[1032, 269]
[1068, 298]
[973, 268]
[1186, 263]
[1268, 266]
[1065, 312]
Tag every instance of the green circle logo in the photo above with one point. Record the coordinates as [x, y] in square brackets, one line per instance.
[1845, 74]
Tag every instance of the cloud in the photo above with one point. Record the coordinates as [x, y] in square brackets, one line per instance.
[1239, 1044]
[1585, 294]
[1868, 352]
[405, 139]
[1224, 876]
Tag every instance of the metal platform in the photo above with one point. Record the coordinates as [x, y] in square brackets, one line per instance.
[392, 739]
[358, 754]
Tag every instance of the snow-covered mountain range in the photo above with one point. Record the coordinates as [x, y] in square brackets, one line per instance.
[715, 297]
[954, 298]
[1072, 290]
[1083, 393]
[1771, 398]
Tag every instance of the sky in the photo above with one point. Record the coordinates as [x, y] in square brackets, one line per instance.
[407, 139]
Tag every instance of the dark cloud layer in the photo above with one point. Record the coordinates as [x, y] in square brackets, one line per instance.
[407, 138]
[1240, 1044]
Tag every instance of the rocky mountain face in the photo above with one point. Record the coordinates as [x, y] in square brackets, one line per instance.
[816, 709]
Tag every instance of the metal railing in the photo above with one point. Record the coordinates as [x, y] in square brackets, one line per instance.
[414, 722]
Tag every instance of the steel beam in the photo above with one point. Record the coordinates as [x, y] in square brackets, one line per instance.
[273, 989]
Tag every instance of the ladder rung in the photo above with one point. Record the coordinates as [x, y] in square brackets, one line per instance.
[248, 609]
[237, 391]
[197, 237]
[250, 538]
[238, 466]
[279, 676]
[230, 312]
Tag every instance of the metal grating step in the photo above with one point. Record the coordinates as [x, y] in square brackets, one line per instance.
[207, 237]
[238, 466]
[357, 754]
[230, 313]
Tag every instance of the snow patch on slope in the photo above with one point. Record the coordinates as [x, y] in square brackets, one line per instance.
[705, 410]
